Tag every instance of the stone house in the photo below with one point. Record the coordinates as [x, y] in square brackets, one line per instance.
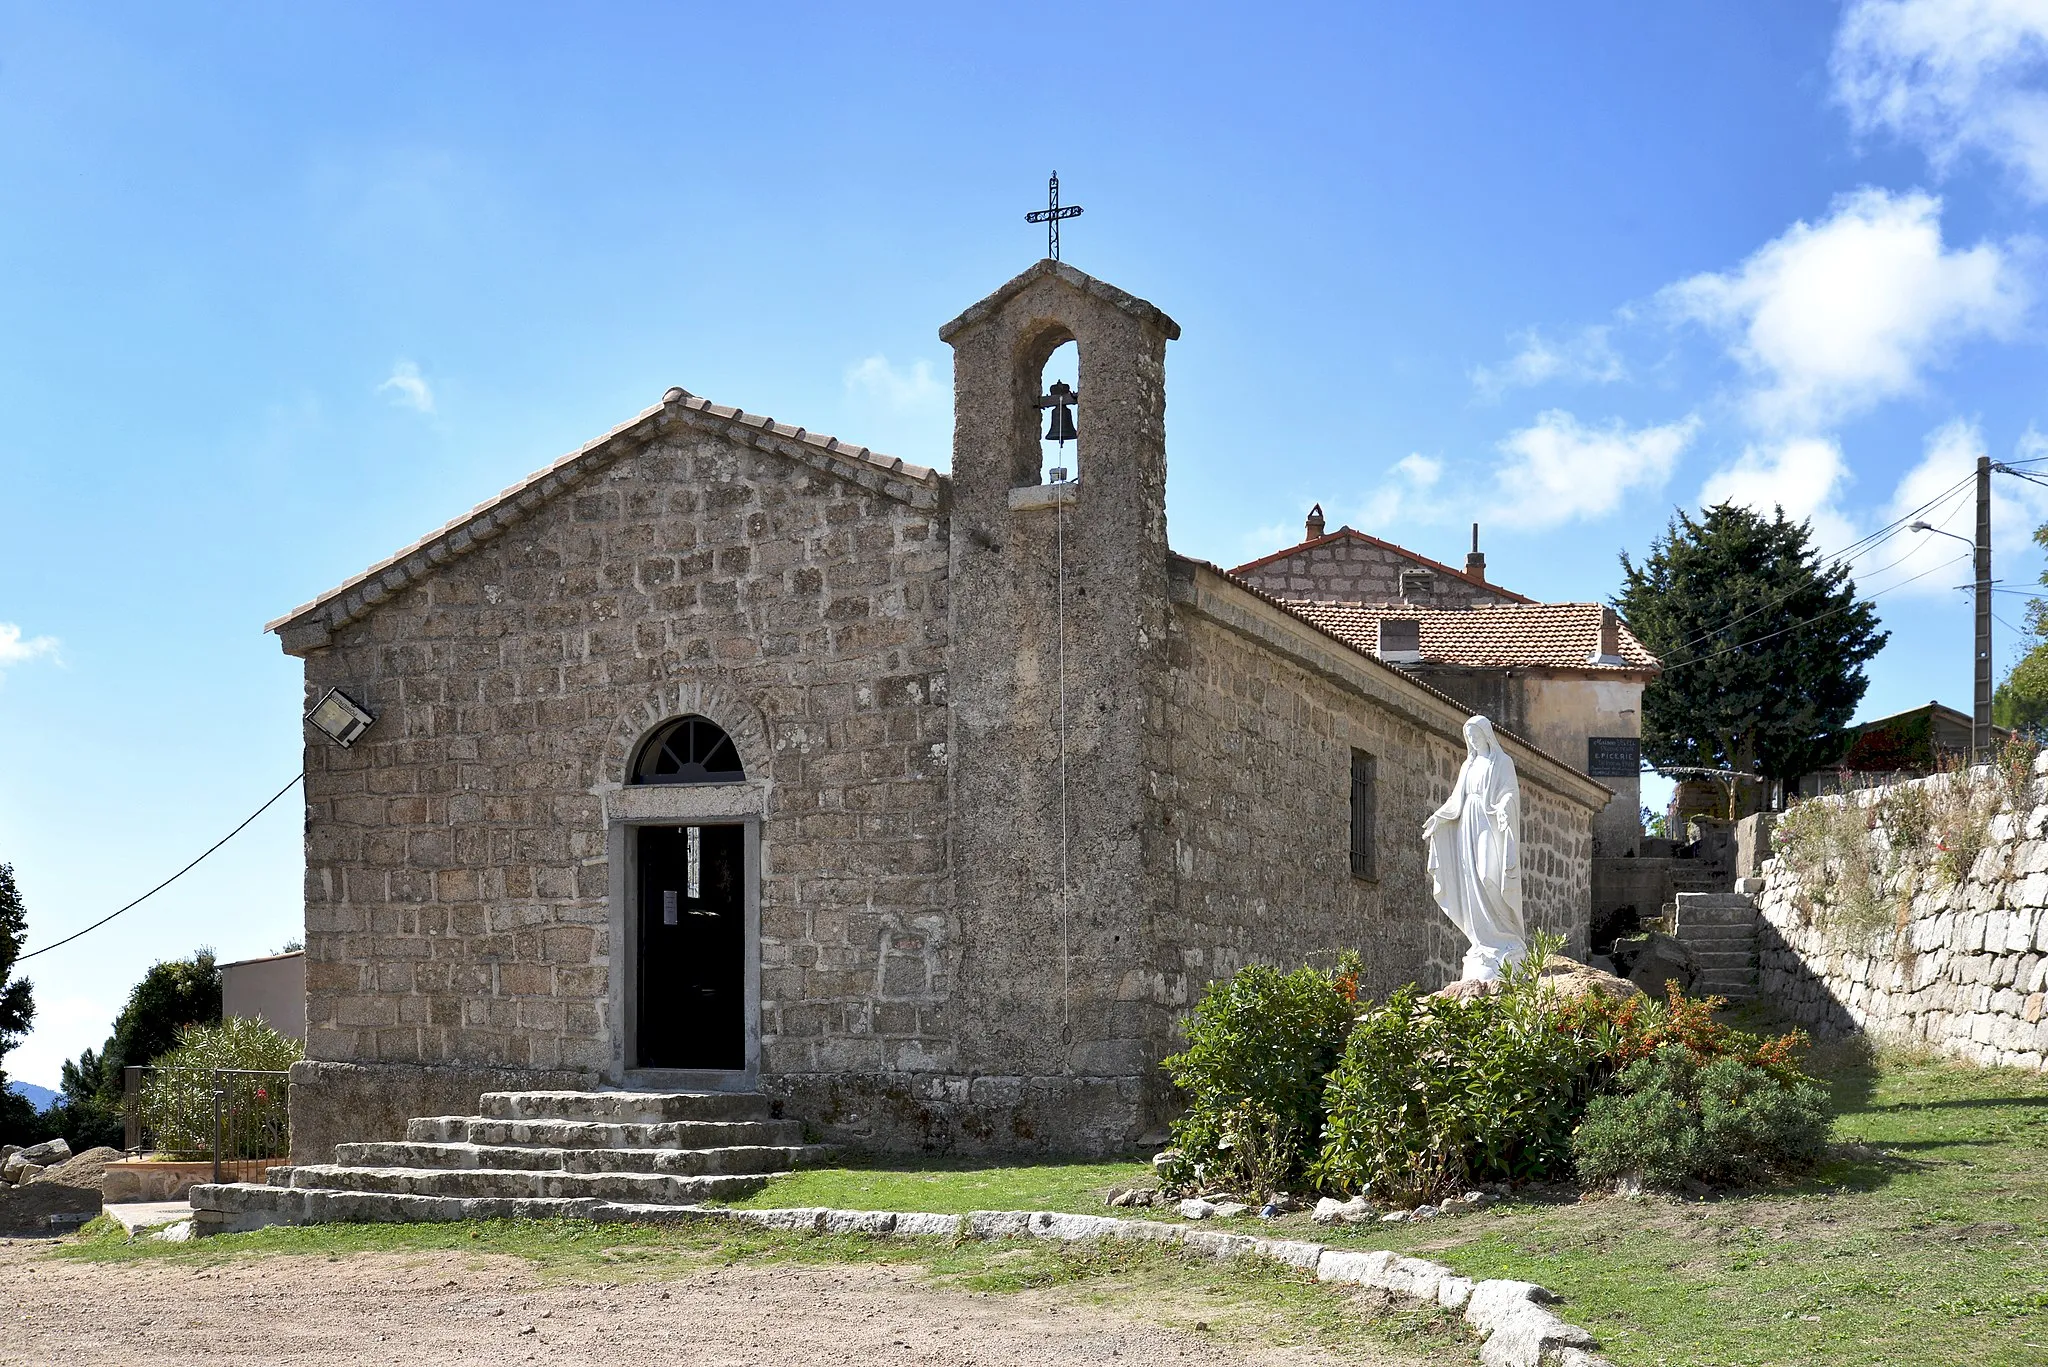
[721, 754]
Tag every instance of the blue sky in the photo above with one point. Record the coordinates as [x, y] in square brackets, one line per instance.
[285, 286]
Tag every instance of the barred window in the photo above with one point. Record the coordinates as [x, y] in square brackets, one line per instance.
[1364, 811]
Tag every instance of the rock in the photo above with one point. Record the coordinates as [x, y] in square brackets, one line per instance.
[1394, 1217]
[1653, 958]
[1195, 1208]
[1423, 1213]
[1356, 1211]
[1229, 1210]
[1118, 1196]
[1165, 1157]
[48, 1152]
[1568, 978]
[87, 1170]
[18, 1169]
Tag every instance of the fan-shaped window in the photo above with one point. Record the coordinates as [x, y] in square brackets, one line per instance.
[688, 750]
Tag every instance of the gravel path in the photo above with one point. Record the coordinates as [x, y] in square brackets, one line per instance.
[428, 1309]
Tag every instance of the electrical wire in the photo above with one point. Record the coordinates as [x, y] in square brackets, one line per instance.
[1867, 543]
[173, 878]
[1821, 617]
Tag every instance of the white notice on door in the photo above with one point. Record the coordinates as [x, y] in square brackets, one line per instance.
[668, 908]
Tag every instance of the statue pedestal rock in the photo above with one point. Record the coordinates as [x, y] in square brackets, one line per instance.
[1475, 856]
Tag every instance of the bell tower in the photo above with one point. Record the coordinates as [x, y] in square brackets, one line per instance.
[1057, 601]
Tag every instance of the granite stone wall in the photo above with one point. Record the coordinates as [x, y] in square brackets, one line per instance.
[1353, 570]
[1251, 824]
[1964, 969]
[456, 859]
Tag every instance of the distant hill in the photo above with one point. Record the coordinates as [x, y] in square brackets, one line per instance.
[39, 1097]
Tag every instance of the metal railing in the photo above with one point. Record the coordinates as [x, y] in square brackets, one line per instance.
[240, 1118]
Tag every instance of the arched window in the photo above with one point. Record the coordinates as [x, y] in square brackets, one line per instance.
[688, 750]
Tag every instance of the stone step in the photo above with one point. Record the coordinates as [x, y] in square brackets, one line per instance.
[739, 1158]
[1691, 917]
[591, 1134]
[513, 1184]
[628, 1108]
[235, 1206]
[1717, 934]
[1715, 962]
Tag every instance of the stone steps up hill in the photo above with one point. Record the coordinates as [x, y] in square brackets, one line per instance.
[530, 1155]
[1719, 931]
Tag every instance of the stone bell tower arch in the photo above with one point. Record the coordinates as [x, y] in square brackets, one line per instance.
[1058, 608]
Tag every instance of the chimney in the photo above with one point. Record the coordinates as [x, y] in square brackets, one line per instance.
[1400, 640]
[1315, 522]
[1609, 652]
[1475, 563]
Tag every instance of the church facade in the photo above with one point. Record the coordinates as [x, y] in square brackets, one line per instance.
[723, 755]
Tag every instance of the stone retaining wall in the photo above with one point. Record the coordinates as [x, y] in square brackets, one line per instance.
[1964, 969]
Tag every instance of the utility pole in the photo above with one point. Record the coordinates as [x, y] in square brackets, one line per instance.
[1980, 721]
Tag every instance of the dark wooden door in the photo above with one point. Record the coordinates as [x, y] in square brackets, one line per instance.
[693, 914]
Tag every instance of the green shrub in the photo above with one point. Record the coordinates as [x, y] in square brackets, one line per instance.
[177, 1098]
[1673, 1118]
[1432, 1097]
[1258, 1049]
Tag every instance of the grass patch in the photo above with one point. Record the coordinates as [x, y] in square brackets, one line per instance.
[1924, 1243]
[954, 1188]
[1239, 1300]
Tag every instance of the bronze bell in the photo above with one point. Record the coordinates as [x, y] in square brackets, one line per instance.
[1059, 424]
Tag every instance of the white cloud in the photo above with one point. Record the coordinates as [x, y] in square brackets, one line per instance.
[1406, 492]
[408, 387]
[1923, 558]
[16, 649]
[877, 377]
[1805, 476]
[1588, 357]
[1560, 470]
[1951, 76]
[1833, 317]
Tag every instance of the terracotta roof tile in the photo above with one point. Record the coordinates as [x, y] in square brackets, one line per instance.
[1496, 636]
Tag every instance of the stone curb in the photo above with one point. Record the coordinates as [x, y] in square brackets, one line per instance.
[1511, 1316]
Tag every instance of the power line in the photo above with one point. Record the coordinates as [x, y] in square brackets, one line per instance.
[1822, 617]
[173, 878]
[1867, 543]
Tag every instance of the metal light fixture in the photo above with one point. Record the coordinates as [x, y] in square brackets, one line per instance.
[339, 719]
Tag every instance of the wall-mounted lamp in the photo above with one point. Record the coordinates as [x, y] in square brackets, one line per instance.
[339, 719]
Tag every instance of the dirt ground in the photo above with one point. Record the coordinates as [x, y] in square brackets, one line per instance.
[429, 1309]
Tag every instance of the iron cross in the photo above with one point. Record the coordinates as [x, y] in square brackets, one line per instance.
[1051, 215]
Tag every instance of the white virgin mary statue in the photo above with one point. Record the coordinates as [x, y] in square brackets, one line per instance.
[1475, 855]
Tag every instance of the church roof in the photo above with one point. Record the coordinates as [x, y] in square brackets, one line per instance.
[1492, 636]
[914, 484]
[1141, 309]
[1353, 534]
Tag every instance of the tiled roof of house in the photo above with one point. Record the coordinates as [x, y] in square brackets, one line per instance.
[1495, 636]
[914, 484]
[1353, 534]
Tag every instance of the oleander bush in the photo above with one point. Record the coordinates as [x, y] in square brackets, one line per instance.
[1258, 1048]
[1674, 1118]
[177, 1100]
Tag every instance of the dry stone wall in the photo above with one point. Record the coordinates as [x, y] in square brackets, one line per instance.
[1963, 966]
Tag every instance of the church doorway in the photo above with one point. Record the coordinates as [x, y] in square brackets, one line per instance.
[691, 924]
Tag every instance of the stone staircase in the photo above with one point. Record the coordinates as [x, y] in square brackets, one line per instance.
[531, 1155]
[1719, 930]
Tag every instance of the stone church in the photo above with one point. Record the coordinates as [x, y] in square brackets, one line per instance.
[722, 755]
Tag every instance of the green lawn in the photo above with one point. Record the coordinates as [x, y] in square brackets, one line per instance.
[1927, 1247]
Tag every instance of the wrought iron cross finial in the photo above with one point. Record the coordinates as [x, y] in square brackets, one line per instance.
[1051, 215]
